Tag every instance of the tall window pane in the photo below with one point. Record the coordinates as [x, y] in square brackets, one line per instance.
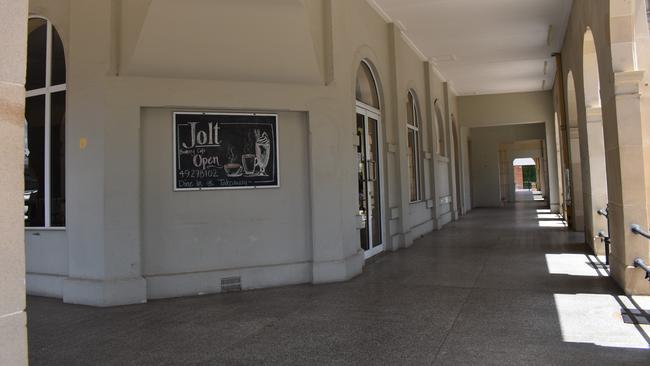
[36, 53]
[57, 160]
[410, 111]
[413, 129]
[412, 164]
[35, 161]
[58, 59]
[45, 127]
[442, 148]
[374, 194]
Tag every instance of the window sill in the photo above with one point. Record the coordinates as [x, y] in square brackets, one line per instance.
[52, 228]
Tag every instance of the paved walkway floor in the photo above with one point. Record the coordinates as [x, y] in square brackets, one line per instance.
[500, 287]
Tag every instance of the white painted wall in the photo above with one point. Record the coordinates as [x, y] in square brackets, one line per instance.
[204, 233]
[47, 264]
[128, 238]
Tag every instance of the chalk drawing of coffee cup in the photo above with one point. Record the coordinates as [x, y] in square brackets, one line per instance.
[249, 161]
[232, 169]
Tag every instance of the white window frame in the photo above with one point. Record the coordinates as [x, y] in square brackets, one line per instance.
[369, 111]
[415, 127]
[47, 91]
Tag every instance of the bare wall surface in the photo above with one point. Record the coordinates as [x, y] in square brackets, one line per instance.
[505, 109]
[202, 231]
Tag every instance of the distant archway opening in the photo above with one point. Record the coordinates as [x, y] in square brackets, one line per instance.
[526, 179]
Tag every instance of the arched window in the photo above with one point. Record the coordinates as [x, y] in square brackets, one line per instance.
[366, 90]
[44, 126]
[440, 123]
[413, 131]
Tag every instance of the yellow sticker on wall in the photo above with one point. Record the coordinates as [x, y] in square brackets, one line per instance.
[83, 143]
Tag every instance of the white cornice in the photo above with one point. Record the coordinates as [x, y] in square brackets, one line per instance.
[380, 11]
[373, 4]
[451, 87]
[436, 71]
[415, 48]
[497, 92]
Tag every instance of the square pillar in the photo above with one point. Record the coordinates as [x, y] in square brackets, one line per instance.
[597, 179]
[13, 37]
[629, 163]
[103, 213]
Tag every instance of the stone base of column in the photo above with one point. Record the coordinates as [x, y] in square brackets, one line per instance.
[396, 242]
[408, 239]
[596, 245]
[338, 270]
[104, 293]
[13, 339]
[555, 208]
[631, 279]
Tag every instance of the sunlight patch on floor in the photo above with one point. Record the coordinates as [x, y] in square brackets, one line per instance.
[552, 223]
[549, 216]
[596, 319]
[572, 265]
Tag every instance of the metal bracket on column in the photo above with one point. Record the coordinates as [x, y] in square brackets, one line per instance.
[639, 263]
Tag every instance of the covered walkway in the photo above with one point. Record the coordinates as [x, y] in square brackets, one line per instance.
[505, 286]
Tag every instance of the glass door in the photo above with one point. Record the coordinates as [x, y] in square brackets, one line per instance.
[369, 181]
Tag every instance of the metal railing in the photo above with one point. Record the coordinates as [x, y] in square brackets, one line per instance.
[606, 238]
[638, 262]
[637, 230]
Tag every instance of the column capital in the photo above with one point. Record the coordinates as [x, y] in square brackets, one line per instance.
[594, 114]
[628, 82]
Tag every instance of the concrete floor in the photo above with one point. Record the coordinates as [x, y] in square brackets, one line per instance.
[500, 287]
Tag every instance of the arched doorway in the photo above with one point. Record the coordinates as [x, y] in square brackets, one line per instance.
[574, 198]
[368, 127]
[595, 169]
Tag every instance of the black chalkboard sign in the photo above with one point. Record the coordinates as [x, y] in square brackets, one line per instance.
[225, 150]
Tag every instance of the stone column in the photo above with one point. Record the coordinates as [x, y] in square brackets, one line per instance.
[597, 178]
[627, 155]
[398, 116]
[13, 38]
[551, 190]
[577, 203]
[432, 201]
[451, 154]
